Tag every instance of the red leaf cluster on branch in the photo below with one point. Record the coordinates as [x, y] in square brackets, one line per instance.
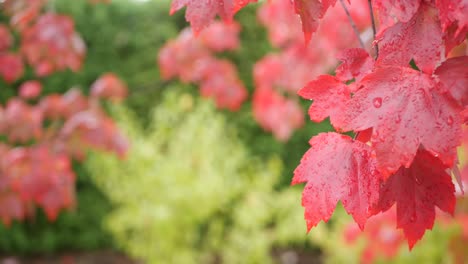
[281, 74]
[42, 135]
[60, 128]
[414, 119]
[192, 60]
[408, 120]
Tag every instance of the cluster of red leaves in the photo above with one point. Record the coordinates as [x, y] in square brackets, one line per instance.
[407, 120]
[273, 75]
[410, 121]
[49, 42]
[42, 135]
[201, 13]
[191, 59]
[58, 129]
[382, 240]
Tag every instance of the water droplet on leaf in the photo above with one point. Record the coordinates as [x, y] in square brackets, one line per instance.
[377, 102]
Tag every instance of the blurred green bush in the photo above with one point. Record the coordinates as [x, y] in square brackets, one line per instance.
[189, 192]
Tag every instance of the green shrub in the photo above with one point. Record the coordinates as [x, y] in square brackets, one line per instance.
[190, 192]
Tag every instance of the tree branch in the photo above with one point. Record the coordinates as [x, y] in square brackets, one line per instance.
[353, 25]
[373, 28]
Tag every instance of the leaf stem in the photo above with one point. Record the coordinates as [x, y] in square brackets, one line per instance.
[353, 25]
[374, 31]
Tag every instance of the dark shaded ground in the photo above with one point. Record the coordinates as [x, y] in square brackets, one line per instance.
[295, 256]
[283, 256]
[100, 257]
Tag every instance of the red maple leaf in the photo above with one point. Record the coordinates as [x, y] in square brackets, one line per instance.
[356, 63]
[453, 74]
[419, 39]
[416, 191]
[336, 168]
[454, 13]
[400, 10]
[201, 13]
[310, 12]
[329, 95]
[405, 109]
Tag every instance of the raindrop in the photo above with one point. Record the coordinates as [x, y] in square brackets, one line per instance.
[377, 102]
[450, 120]
[398, 119]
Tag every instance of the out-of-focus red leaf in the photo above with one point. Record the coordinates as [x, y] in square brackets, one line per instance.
[90, 129]
[109, 86]
[52, 44]
[277, 114]
[11, 67]
[30, 89]
[201, 13]
[6, 39]
[21, 122]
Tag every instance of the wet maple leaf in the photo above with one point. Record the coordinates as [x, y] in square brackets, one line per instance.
[453, 74]
[220, 82]
[399, 10]
[329, 97]
[419, 39]
[336, 168]
[310, 12]
[416, 191]
[454, 13]
[405, 109]
[356, 63]
[201, 13]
